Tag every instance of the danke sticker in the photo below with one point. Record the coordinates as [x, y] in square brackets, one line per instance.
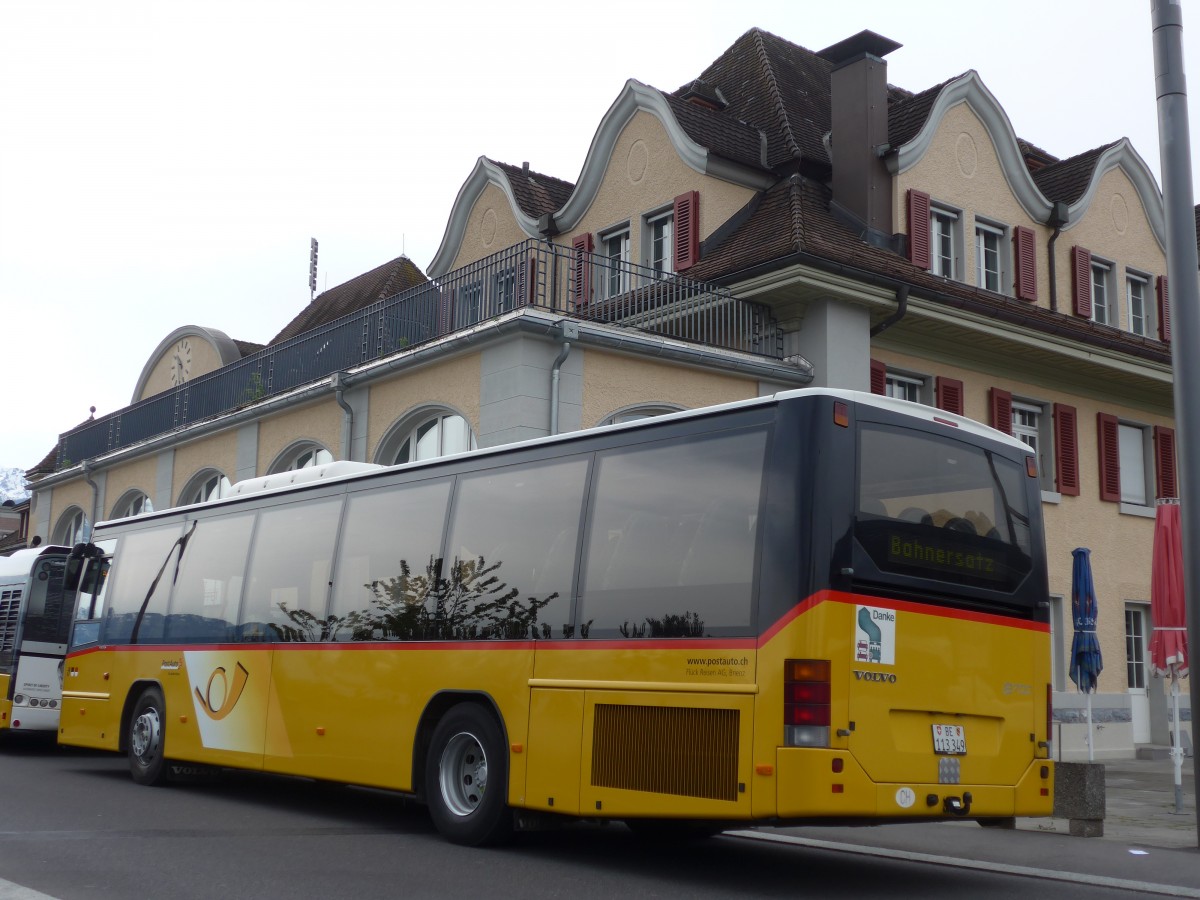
[875, 635]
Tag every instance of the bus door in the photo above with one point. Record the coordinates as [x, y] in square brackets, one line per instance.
[36, 687]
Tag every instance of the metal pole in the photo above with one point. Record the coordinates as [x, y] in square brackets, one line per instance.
[1174, 141]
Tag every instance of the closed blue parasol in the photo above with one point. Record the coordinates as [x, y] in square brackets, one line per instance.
[1086, 661]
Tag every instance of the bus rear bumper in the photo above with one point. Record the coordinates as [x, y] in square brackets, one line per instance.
[814, 783]
[29, 718]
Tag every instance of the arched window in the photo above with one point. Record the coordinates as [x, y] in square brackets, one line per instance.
[301, 456]
[633, 413]
[132, 503]
[427, 435]
[73, 527]
[204, 486]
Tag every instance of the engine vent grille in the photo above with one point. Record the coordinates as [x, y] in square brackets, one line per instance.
[666, 750]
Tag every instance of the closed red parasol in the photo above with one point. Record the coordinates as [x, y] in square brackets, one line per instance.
[1168, 643]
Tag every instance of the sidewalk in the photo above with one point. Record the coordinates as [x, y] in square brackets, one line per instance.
[1145, 848]
[1140, 806]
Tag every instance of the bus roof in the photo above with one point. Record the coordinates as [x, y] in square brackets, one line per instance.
[20, 563]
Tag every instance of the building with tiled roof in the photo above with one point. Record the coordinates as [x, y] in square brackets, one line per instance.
[834, 230]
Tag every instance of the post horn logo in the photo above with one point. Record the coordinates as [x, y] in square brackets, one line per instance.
[227, 693]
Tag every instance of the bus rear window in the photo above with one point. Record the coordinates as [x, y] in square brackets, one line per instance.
[935, 508]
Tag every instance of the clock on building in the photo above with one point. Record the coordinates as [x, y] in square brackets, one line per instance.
[181, 362]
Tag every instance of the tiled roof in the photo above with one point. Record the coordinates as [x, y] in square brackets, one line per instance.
[247, 348]
[1067, 179]
[720, 133]
[906, 116]
[385, 281]
[779, 87]
[536, 194]
[792, 223]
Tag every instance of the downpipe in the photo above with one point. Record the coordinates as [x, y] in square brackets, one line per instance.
[340, 381]
[569, 331]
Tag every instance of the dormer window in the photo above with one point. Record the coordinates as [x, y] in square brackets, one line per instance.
[660, 253]
[614, 248]
[945, 242]
[1102, 311]
[1136, 288]
[990, 265]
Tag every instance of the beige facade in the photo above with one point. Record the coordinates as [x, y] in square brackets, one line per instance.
[452, 385]
[615, 382]
[215, 452]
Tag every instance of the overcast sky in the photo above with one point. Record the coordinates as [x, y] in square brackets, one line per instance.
[165, 164]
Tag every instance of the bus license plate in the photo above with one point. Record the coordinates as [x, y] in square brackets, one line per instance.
[949, 739]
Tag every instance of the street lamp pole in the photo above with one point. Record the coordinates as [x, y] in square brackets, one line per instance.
[1178, 200]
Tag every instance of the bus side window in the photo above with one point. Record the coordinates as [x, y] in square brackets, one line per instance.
[511, 517]
[684, 515]
[287, 582]
[208, 587]
[387, 562]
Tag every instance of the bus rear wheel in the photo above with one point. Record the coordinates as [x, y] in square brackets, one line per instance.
[146, 738]
[466, 778]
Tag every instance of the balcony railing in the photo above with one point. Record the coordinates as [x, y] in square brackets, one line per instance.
[532, 274]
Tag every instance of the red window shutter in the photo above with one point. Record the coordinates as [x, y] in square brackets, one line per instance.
[445, 314]
[1081, 269]
[1001, 403]
[878, 377]
[1025, 263]
[581, 278]
[687, 230]
[1066, 449]
[918, 229]
[950, 395]
[1164, 461]
[1108, 433]
[1164, 309]
[529, 288]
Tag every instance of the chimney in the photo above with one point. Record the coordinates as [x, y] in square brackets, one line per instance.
[858, 112]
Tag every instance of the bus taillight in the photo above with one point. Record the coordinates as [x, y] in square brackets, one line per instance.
[806, 697]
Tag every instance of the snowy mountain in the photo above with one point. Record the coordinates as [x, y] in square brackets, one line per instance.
[12, 485]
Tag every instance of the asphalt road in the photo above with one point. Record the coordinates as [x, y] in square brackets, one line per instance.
[73, 826]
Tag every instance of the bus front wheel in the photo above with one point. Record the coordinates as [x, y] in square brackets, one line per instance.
[466, 778]
[145, 739]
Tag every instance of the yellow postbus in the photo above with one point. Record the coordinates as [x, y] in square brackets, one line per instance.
[822, 606]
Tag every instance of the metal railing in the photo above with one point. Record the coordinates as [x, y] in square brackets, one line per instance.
[532, 274]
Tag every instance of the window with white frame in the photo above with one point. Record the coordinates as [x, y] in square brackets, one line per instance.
[209, 485]
[470, 304]
[1135, 645]
[72, 528]
[945, 242]
[1135, 476]
[1031, 425]
[1136, 289]
[614, 251]
[1103, 312]
[635, 413]
[301, 456]
[1058, 668]
[905, 387]
[134, 503]
[990, 268]
[427, 436]
[660, 242]
[506, 289]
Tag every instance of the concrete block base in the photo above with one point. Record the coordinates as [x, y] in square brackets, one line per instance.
[1079, 796]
